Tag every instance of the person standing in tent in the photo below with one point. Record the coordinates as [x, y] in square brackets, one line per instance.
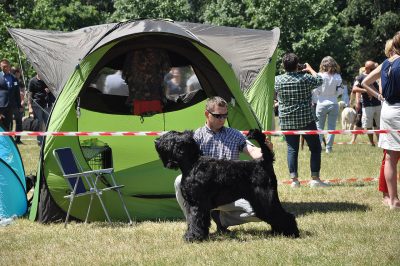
[217, 141]
[10, 101]
[294, 89]
[40, 101]
[144, 71]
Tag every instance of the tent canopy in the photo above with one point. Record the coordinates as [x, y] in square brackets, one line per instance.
[55, 55]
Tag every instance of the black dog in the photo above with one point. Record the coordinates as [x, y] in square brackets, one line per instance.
[208, 183]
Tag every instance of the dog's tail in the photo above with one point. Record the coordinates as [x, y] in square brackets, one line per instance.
[257, 135]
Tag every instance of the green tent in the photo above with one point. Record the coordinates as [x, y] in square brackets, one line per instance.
[236, 64]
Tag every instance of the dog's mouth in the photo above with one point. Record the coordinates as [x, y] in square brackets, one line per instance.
[171, 165]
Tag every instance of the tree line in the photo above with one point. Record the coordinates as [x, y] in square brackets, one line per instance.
[351, 31]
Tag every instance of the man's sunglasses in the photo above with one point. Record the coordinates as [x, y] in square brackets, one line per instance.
[219, 116]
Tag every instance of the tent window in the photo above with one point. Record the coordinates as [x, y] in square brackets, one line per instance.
[109, 92]
[179, 82]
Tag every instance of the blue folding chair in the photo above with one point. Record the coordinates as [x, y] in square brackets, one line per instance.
[73, 173]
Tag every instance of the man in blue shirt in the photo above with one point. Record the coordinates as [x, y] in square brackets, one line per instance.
[10, 100]
[217, 141]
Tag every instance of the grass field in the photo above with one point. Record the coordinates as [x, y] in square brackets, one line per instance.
[345, 224]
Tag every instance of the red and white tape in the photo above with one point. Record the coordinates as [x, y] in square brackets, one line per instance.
[159, 133]
[75, 134]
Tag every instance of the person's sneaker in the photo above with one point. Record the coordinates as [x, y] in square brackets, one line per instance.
[328, 150]
[220, 228]
[318, 183]
[295, 184]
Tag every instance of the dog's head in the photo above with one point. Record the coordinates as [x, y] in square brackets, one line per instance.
[176, 148]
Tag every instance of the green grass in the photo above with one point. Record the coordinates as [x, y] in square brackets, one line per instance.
[345, 224]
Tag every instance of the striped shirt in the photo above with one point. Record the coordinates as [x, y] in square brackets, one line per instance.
[225, 144]
[294, 97]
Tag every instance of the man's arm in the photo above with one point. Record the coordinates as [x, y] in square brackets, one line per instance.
[255, 152]
[317, 80]
[17, 94]
[310, 70]
[358, 89]
[30, 90]
[357, 86]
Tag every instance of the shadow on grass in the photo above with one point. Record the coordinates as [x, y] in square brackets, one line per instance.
[244, 235]
[304, 208]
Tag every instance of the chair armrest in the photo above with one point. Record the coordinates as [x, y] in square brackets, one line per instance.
[73, 175]
[99, 171]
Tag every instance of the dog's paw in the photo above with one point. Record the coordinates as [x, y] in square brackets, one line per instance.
[190, 237]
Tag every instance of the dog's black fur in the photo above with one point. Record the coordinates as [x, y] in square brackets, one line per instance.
[208, 183]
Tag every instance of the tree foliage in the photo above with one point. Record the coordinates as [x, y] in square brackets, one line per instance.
[178, 10]
[352, 31]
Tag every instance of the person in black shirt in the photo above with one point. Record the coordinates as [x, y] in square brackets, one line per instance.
[10, 101]
[371, 107]
[40, 101]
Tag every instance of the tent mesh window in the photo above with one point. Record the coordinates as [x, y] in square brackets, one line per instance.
[98, 157]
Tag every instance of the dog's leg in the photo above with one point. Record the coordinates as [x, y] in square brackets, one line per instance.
[344, 126]
[199, 222]
[268, 208]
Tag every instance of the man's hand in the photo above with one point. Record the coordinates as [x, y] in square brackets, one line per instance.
[309, 69]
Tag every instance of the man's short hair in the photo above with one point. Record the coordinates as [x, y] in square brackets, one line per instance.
[215, 101]
[290, 61]
[369, 66]
[5, 60]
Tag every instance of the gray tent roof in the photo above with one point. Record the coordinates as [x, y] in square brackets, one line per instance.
[55, 54]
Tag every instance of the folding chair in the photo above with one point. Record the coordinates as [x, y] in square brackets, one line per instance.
[73, 173]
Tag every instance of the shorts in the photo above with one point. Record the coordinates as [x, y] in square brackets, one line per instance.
[371, 113]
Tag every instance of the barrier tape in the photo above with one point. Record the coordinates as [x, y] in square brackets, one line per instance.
[159, 133]
[336, 180]
[349, 143]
